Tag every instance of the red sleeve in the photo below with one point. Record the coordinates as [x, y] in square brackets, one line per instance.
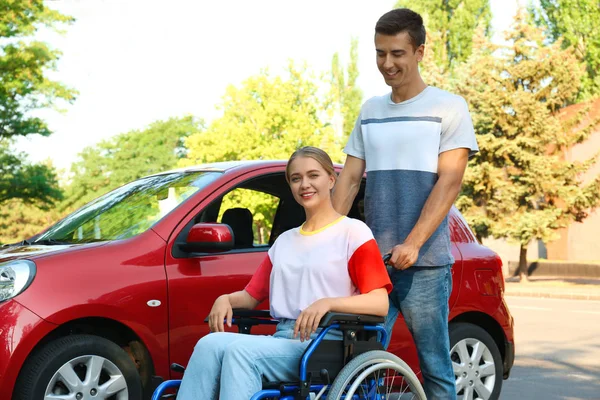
[367, 270]
[258, 287]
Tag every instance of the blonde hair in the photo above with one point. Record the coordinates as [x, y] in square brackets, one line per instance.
[316, 154]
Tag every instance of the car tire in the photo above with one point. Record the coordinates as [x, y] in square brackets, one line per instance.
[477, 362]
[77, 364]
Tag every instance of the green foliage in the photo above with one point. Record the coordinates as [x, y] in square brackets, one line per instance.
[520, 186]
[25, 88]
[577, 24]
[127, 157]
[452, 25]
[345, 96]
[21, 18]
[100, 168]
[33, 184]
[19, 220]
[266, 118]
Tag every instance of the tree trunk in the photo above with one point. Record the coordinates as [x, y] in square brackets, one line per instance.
[522, 270]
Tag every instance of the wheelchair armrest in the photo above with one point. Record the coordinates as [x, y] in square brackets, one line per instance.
[245, 319]
[245, 313]
[343, 318]
[240, 312]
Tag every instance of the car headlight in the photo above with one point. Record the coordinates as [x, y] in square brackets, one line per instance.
[15, 277]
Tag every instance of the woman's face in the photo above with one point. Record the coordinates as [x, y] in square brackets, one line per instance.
[310, 184]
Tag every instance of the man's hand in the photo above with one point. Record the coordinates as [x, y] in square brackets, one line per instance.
[308, 320]
[220, 310]
[404, 255]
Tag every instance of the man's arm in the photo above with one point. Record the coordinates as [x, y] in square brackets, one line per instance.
[451, 168]
[348, 184]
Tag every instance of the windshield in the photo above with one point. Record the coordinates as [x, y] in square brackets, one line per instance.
[128, 210]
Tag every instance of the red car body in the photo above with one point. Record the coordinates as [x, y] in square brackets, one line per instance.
[138, 293]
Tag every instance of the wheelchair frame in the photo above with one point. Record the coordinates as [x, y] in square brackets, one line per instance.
[349, 324]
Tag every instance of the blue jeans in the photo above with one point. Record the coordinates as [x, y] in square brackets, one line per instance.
[422, 294]
[231, 366]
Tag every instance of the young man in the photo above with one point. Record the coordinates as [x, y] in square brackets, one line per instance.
[414, 144]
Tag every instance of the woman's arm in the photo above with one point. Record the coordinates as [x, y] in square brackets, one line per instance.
[224, 305]
[374, 302]
[223, 308]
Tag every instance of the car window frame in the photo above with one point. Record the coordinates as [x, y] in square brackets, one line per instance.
[239, 182]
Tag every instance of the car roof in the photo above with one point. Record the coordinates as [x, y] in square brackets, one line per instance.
[226, 166]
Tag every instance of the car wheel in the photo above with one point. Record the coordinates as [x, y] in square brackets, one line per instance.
[79, 367]
[476, 361]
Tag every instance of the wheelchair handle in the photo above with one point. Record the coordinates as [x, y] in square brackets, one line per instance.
[386, 258]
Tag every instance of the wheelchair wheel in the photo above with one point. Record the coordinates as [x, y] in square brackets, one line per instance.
[376, 375]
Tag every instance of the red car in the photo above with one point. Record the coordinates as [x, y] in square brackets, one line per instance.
[101, 303]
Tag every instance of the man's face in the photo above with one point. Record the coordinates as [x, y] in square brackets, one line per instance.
[397, 59]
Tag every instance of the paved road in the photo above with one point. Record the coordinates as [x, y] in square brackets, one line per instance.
[558, 349]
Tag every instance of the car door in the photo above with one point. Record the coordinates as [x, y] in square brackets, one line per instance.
[195, 282]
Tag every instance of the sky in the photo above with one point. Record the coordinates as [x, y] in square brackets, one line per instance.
[135, 62]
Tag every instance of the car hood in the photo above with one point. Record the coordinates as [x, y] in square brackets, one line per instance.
[34, 251]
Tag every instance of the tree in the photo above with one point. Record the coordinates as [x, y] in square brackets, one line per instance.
[268, 117]
[99, 169]
[127, 157]
[455, 22]
[25, 88]
[26, 209]
[577, 24]
[33, 184]
[19, 220]
[345, 96]
[519, 186]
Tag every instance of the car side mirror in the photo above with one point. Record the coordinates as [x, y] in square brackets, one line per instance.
[208, 238]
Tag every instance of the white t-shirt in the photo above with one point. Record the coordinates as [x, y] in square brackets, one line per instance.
[340, 260]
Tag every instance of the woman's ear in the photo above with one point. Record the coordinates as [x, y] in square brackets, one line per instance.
[331, 182]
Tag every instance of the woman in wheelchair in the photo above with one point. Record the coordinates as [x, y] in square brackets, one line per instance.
[329, 264]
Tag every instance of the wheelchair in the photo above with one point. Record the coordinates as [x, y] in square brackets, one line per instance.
[356, 367]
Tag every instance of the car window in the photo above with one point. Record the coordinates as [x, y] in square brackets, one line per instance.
[253, 211]
[129, 210]
[246, 207]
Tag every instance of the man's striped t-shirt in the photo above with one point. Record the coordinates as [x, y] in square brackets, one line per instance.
[400, 143]
[339, 260]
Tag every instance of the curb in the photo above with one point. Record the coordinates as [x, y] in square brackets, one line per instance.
[548, 295]
[554, 268]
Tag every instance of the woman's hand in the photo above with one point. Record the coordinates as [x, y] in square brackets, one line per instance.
[220, 310]
[308, 320]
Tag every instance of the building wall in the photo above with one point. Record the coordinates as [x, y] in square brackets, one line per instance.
[580, 240]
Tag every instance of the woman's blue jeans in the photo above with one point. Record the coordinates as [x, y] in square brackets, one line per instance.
[422, 295]
[231, 366]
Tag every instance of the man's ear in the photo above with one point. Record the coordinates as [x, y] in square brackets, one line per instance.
[420, 52]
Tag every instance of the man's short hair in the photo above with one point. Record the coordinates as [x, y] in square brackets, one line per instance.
[402, 20]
